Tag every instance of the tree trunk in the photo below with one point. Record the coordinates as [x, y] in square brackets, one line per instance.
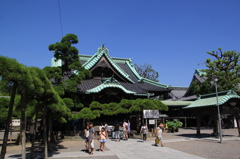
[23, 123]
[45, 133]
[138, 121]
[9, 119]
[142, 121]
[50, 136]
[49, 128]
[34, 136]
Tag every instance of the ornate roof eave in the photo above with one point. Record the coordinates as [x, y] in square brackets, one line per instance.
[108, 85]
[97, 56]
[147, 95]
[155, 83]
[141, 79]
[113, 83]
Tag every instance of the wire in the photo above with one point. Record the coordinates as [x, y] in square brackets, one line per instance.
[60, 16]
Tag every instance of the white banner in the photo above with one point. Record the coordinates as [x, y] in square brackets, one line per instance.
[150, 114]
[151, 122]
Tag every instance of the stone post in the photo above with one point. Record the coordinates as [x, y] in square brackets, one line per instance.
[198, 124]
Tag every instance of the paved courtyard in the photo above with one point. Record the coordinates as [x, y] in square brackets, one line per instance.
[182, 145]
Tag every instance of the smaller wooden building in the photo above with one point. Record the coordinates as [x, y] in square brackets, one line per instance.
[206, 107]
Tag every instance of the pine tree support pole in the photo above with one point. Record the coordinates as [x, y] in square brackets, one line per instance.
[23, 124]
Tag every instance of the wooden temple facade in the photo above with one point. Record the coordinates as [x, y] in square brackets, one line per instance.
[113, 79]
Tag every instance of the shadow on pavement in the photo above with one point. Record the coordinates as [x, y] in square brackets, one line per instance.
[39, 150]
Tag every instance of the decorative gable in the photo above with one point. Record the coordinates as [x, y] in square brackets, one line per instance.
[102, 60]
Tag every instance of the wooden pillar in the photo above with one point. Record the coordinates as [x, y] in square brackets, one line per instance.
[185, 122]
[198, 124]
[217, 128]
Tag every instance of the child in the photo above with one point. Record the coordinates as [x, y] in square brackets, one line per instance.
[102, 137]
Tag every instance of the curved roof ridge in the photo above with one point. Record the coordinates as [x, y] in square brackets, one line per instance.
[155, 83]
[140, 79]
[96, 57]
[118, 68]
[134, 71]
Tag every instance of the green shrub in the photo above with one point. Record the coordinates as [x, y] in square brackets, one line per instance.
[174, 125]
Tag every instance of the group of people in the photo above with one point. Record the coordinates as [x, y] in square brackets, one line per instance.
[103, 135]
[89, 138]
[126, 130]
[158, 134]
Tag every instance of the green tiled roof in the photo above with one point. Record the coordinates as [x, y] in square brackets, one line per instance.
[109, 85]
[155, 83]
[199, 72]
[205, 101]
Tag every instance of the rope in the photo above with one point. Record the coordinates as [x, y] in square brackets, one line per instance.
[60, 17]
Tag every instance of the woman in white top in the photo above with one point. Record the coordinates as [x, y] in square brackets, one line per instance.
[159, 135]
[144, 131]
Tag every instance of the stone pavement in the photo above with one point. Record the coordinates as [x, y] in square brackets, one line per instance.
[136, 149]
[132, 149]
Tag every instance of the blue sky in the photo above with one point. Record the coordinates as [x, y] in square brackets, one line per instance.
[171, 35]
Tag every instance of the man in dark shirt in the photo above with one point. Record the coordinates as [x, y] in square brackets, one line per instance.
[116, 130]
[91, 138]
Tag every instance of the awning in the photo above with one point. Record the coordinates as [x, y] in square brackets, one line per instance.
[176, 103]
[163, 115]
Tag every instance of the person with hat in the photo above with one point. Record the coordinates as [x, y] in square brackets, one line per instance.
[159, 134]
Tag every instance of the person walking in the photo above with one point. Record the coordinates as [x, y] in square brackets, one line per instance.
[100, 127]
[159, 134]
[86, 134]
[144, 131]
[106, 128]
[129, 129]
[116, 131]
[91, 138]
[102, 138]
[125, 129]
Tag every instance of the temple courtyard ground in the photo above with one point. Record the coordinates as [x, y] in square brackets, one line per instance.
[182, 145]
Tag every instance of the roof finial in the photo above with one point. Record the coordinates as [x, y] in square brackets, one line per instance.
[103, 47]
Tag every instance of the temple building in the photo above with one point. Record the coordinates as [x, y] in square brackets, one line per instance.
[114, 79]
